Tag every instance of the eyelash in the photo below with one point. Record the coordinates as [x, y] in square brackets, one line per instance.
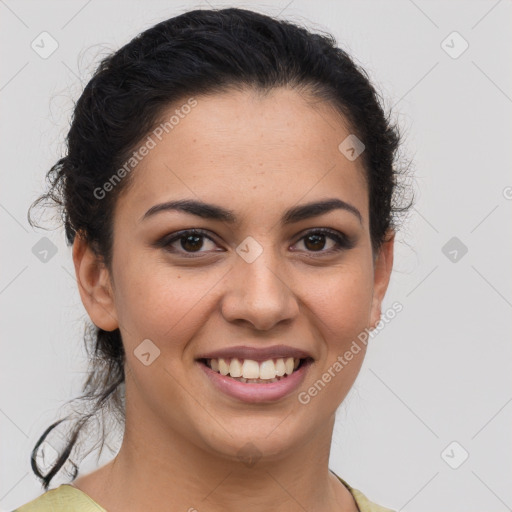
[342, 241]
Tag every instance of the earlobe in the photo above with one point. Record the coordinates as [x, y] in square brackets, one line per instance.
[94, 285]
[382, 273]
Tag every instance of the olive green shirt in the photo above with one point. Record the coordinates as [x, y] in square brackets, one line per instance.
[67, 498]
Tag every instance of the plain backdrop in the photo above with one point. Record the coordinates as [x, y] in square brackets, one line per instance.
[427, 423]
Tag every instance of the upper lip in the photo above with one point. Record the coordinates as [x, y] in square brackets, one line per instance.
[256, 353]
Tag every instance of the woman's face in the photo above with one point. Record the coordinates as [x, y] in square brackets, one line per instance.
[259, 279]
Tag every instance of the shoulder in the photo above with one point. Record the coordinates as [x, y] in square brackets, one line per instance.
[362, 502]
[64, 498]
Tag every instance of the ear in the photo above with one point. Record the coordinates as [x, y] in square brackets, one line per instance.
[383, 265]
[94, 285]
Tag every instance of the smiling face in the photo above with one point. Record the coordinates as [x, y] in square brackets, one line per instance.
[260, 275]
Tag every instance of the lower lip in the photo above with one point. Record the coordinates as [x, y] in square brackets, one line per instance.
[254, 393]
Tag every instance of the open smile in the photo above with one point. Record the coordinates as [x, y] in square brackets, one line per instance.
[256, 381]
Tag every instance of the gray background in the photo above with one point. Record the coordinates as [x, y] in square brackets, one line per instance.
[438, 373]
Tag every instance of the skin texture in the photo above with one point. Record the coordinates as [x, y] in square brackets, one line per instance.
[258, 156]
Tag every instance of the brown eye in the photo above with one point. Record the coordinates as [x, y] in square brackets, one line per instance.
[191, 242]
[316, 240]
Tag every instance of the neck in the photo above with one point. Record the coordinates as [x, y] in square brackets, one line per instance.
[157, 467]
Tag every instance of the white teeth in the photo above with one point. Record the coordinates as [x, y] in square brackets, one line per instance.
[235, 368]
[223, 367]
[251, 369]
[280, 367]
[267, 370]
[248, 370]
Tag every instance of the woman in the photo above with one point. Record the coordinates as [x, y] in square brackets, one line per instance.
[229, 191]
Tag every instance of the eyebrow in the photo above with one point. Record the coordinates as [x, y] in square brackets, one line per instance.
[215, 212]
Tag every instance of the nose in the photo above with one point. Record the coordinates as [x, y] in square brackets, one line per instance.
[260, 293]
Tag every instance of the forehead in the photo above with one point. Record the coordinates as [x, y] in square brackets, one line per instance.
[244, 148]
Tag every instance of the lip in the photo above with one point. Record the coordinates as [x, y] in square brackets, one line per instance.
[256, 353]
[256, 393]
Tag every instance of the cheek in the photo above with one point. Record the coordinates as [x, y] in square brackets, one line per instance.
[342, 304]
[160, 303]
[341, 312]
